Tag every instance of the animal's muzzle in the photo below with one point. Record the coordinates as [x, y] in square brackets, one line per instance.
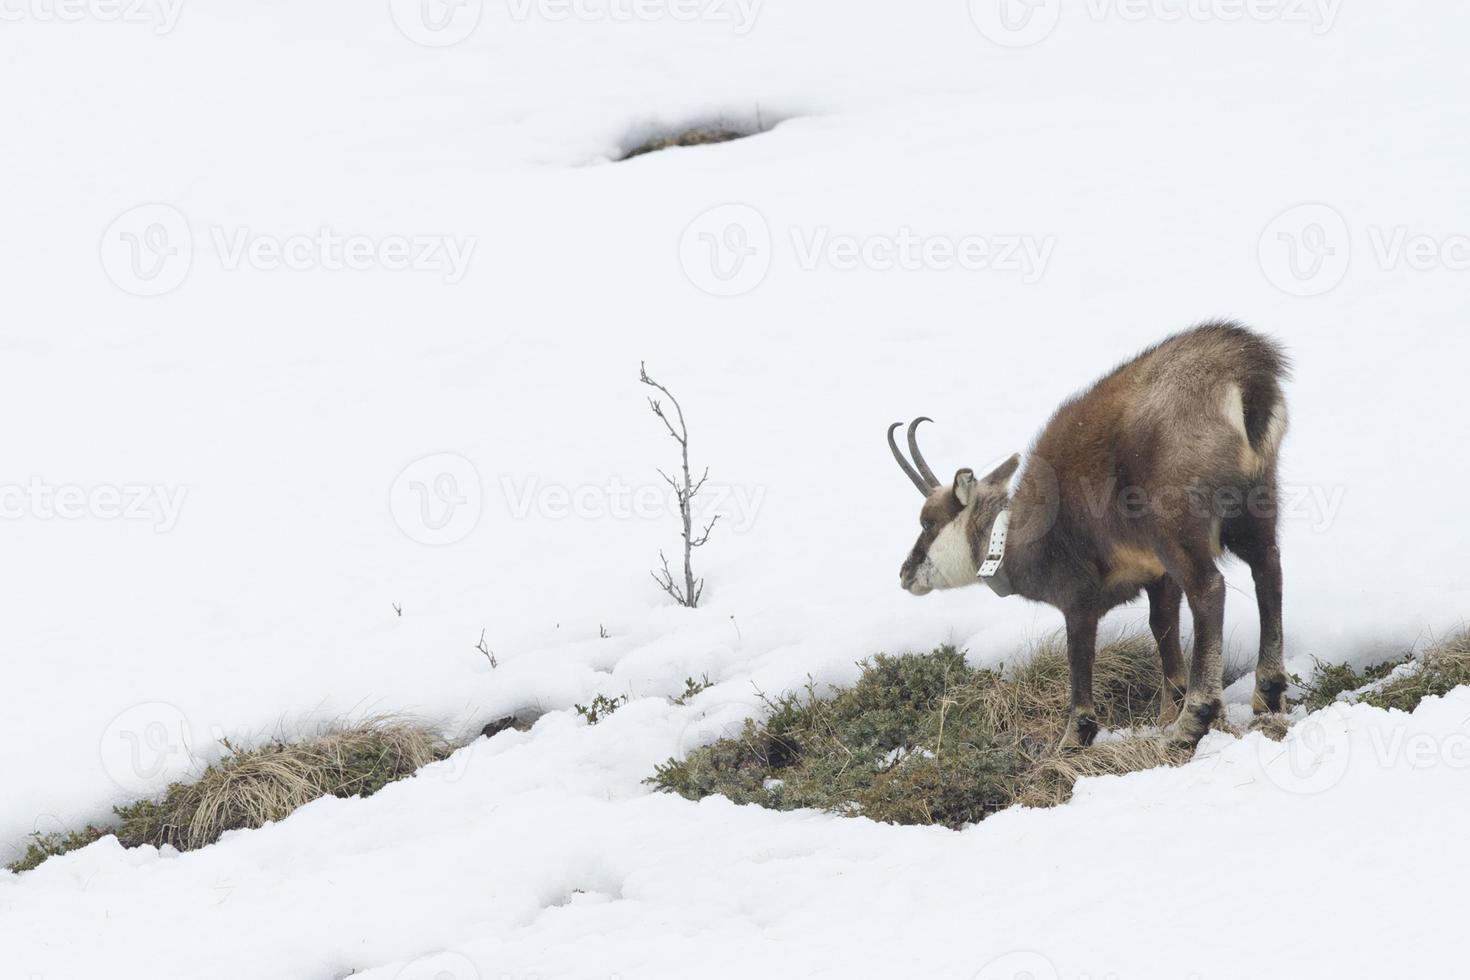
[908, 574]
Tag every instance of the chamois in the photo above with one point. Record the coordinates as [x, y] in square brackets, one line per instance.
[1139, 483]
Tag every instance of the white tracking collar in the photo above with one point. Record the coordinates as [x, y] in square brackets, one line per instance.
[991, 572]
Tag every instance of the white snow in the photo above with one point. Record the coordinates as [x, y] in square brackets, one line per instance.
[266, 421]
[537, 855]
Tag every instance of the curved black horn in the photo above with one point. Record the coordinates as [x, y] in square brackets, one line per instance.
[903, 464]
[924, 469]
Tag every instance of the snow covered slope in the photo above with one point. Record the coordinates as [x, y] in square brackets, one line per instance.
[392, 273]
[1258, 859]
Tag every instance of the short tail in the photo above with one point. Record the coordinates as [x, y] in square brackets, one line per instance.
[1265, 366]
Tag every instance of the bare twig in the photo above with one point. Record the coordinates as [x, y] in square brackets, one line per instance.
[485, 649]
[685, 489]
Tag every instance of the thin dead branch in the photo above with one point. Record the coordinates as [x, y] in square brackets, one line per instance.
[687, 592]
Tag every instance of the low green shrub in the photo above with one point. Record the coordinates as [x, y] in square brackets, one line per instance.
[600, 708]
[1445, 667]
[1330, 680]
[922, 739]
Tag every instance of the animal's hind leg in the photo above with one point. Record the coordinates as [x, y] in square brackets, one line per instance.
[1252, 536]
[1189, 559]
[1164, 595]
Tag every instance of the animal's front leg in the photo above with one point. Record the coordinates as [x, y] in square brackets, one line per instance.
[1081, 648]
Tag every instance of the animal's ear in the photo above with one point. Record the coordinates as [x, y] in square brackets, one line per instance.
[965, 487]
[1001, 475]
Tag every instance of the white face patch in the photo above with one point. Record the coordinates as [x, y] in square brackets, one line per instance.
[950, 562]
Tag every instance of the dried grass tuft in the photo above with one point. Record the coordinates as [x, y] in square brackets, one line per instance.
[252, 787]
[1273, 727]
[1050, 783]
[693, 136]
[1033, 697]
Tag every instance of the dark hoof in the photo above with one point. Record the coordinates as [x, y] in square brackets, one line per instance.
[1081, 731]
[1204, 715]
[1193, 722]
[1270, 696]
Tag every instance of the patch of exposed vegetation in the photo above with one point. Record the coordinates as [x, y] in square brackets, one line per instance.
[928, 739]
[693, 688]
[1444, 668]
[600, 708]
[252, 787]
[509, 723]
[44, 845]
[693, 136]
[1330, 680]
